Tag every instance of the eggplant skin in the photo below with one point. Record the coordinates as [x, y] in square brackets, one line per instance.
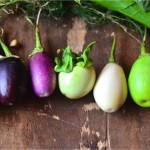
[42, 74]
[13, 80]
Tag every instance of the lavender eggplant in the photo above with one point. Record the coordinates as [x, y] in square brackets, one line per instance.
[42, 72]
[13, 77]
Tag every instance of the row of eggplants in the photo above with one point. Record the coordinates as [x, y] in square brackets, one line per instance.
[76, 77]
[13, 73]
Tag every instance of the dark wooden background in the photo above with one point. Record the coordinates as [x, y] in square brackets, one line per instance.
[57, 122]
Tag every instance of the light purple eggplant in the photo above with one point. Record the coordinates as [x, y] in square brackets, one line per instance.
[43, 76]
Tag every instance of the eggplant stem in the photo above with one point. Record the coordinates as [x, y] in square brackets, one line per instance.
[111, 58]
[39, 13]
[38, 16]
[5, 49]
[143, 46]
[38, 47]
[145, 34]
[38, 39]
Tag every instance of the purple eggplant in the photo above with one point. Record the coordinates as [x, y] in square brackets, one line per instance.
[42, 72]
[13, 77]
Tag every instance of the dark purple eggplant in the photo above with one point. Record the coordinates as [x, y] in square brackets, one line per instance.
[42, 72]
[13, 77]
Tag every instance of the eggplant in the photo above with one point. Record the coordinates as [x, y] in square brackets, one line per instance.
[43, 76]
[13, 77]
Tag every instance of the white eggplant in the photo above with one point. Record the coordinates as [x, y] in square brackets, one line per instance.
[110, 90]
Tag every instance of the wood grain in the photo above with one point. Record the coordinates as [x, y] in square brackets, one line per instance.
[57, 122]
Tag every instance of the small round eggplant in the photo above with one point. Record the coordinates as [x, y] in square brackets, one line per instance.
[13, 77]
[77, 75]
[42, 74]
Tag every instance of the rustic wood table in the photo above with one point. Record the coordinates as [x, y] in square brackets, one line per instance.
[57, 122]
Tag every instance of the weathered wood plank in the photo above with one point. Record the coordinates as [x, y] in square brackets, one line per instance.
[54, 122]
[57, 122]
[129, 128]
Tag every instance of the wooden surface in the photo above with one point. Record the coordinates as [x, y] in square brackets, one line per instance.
[57, 122]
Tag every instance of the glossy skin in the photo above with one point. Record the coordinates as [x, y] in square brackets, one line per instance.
[13, 80]
[42, 74]
[110, 90]
[77, 83]
[139, 81]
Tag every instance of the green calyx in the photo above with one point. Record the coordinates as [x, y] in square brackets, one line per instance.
[5, 49]
[84, 60]
[143, 49]
[70, 59]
